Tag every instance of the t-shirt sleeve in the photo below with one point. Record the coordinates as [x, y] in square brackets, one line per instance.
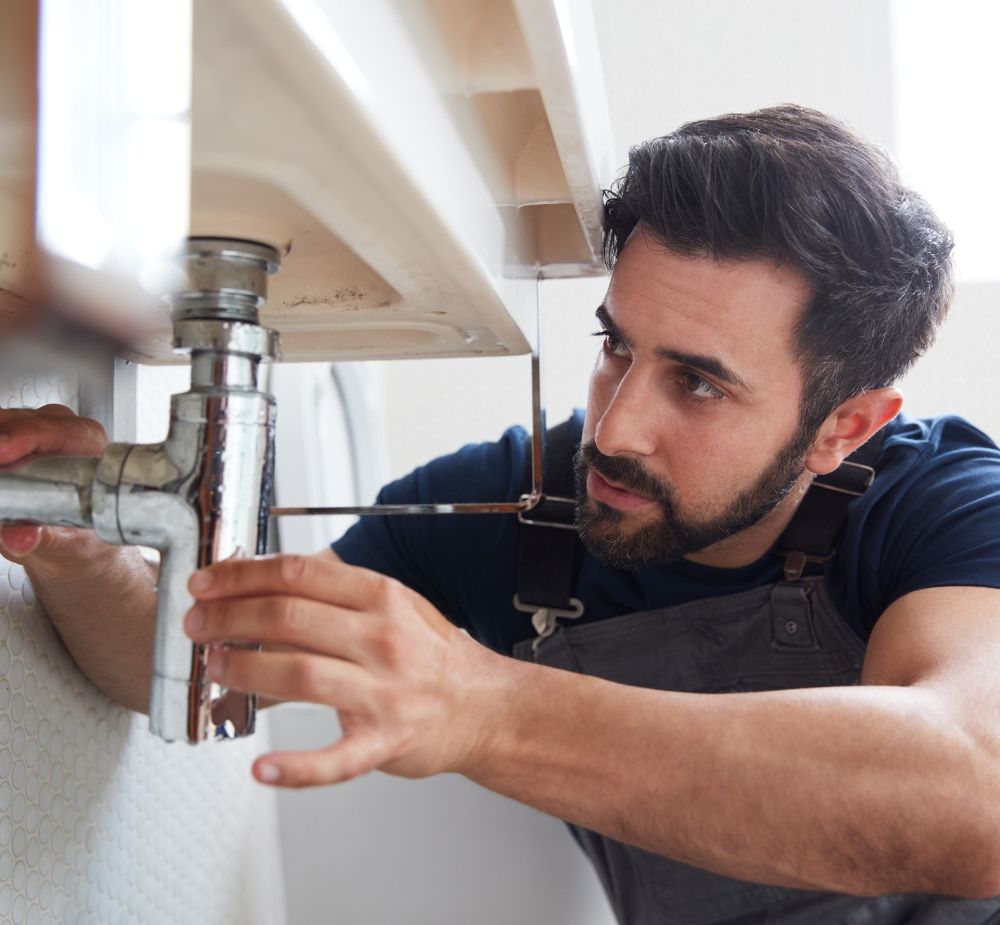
[450, 559]
[943, 525]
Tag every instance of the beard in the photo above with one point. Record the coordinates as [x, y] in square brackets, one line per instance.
[671, 536]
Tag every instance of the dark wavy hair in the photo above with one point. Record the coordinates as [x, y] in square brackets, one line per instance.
[798, 187]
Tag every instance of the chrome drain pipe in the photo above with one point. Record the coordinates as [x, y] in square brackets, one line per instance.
[199, 497]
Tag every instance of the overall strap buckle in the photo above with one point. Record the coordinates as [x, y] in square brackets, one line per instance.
[796, 562]
[545, 620]
[812, 535]
[849, 478]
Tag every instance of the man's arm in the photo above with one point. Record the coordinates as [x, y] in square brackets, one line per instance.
[105, 612]
[890, 786]
[893, 786]
[100, 598]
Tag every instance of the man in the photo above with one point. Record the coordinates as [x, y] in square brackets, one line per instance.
[701, 725]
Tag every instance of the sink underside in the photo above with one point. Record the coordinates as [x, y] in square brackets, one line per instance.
[418, 166]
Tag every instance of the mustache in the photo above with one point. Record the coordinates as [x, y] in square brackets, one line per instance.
[623, 471]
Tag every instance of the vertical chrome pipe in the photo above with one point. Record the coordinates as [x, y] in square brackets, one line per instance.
[229, 493]
[220, 449]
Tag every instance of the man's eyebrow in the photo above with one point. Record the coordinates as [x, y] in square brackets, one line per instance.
[706, 364]
[605, 319]
[715, 368]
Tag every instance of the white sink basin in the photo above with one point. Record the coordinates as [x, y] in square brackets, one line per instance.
[417, 162]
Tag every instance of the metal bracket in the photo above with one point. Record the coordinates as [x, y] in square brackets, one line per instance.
[525, 503]
[108, 395]
[535, 515]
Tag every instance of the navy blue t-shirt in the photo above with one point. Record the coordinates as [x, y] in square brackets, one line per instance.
[931, 519]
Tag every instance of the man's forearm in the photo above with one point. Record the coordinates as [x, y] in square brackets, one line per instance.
[105, 616]
[860, 790]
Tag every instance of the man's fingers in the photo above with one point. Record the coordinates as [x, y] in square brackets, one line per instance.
[350, 757]
[26, 433]
[292, 676]
[321, 578]
[53, 429]
[57, 410]
[290, 621]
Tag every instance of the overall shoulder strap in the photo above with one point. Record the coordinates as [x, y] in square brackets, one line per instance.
[548, 548]
[815, 528]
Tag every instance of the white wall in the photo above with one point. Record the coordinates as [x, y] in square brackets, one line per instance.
[958, 374]
[441, 851]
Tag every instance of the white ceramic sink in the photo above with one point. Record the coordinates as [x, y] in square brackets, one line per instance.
[418, 163]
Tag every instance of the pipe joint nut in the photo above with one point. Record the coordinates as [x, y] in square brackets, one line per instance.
[226, 337]
[223, 279]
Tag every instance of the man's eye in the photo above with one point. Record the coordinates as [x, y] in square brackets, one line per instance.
[699, 389]
[613, 345]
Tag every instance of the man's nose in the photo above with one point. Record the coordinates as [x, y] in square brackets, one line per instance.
[627, 427]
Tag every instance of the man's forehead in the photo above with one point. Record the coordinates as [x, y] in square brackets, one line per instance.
[705, 281]
[742, 312]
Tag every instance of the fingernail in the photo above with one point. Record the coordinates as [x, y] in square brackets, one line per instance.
[194, 622]
[214, 665]
[200, 580]
[19, 540]
[267, 772]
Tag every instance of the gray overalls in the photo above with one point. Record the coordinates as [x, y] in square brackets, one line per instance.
[785, 635]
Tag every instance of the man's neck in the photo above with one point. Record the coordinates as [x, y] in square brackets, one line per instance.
[747, 546]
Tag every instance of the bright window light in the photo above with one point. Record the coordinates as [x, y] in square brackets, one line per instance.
[947, 134]
[114, 136]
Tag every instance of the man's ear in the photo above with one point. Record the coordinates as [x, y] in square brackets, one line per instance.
[849, 425]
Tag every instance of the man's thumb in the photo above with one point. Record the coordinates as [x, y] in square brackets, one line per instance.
[18, 541]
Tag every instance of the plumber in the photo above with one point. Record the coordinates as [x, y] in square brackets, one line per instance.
[760, 679]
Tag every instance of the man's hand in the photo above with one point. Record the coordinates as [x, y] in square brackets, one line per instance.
[401, 677]
[50, 430]
[99, 597]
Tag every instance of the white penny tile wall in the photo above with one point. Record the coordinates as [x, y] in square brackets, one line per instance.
[99, 821]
